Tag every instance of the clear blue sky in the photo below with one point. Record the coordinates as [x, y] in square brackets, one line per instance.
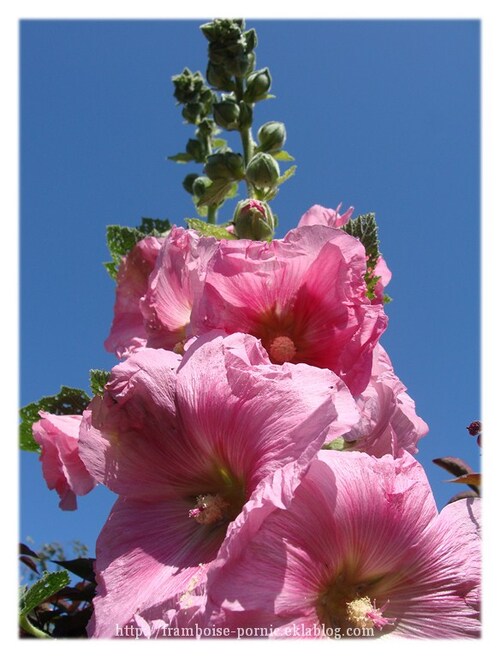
[382, 115]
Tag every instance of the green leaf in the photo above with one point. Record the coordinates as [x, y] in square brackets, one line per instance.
[219, 143]
[288, 174]
[48, 585]
[365, 229]
[121, 239]
[181, 157]
[216, 231]
[67, 401]
[282, 155]
[98, 380]
[215, 193]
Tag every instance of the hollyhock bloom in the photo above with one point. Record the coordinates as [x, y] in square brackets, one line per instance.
[361, 551]
[388, 418]
[176, 281]
[62, 467]
[128, 331]
[326, 216]
[189, 445]
[303, 296]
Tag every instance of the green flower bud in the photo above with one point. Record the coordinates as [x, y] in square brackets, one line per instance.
[206, 128]
[218, 78]
[258, 84]
[200, 184]
[196, 150]
[250, 40]
[227, 114]
[188, 86]
[253, 220]
[263, 171]
[272, 136]
[192, 111]
[187, 183]
[228, 165]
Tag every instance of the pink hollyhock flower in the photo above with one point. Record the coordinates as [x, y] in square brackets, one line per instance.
[176, 281]
[189, 445]
[128, 331]
[326, 216]
[303, 296]
[360, 551]
[388, 422]
[62, 467]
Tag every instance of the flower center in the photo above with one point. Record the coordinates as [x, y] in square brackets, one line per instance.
[282, 349]
[362, 614]
[209, 509]
[347, 603]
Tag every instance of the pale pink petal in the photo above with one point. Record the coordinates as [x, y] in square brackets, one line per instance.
[356, 526]
[126, 436]
[325, 216]
[146, 554]
[62, 467]
[174, 284]
[127, 331]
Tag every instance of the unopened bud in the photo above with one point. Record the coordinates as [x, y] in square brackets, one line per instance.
[258, 84]
[218, 78]
[263, 171]
[200, 185]
[187, 183]
[228, 165]
[227, 114]
[196, 150]
[253, 220]
[192, 111]
[272, 136]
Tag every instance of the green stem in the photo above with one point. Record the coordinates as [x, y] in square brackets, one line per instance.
[27, 626]
[212, 215]
[246, 135]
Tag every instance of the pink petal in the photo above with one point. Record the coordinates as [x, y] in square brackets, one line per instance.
[146, 554]
[127, 331]
[175, 283]
[62, 467]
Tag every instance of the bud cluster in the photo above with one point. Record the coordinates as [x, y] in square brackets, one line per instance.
[226, 102]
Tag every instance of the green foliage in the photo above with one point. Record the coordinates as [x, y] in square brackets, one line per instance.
[121, 239]
[288, 173]
[216, 193]
[283, 155]
[98, 380]
[217, 231]
[67, 401]
[182, 158]
[365, 229]
[48, 585]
